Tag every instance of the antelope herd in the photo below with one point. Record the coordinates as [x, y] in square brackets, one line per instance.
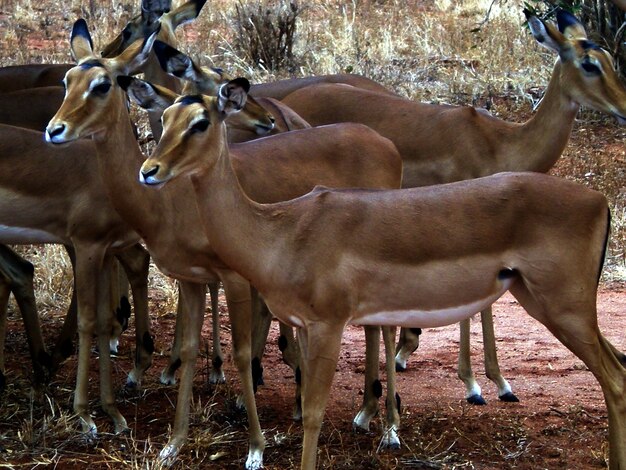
[444, 206]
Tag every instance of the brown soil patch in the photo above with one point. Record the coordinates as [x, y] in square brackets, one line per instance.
[560, 422]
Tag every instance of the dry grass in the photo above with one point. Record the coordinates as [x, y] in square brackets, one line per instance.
[426, 50]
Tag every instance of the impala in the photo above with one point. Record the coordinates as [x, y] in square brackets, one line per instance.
[200, 79]
[444, 252]
[441, 144]
[210, 79]
[167, 220]
[19, 77]
[156, 16]
[30, 108]
[57, 207]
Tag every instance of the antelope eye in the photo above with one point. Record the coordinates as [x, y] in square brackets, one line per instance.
[199, 126]
[101, 89]
[590, 67]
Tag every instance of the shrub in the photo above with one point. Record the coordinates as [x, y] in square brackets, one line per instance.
[265, 33]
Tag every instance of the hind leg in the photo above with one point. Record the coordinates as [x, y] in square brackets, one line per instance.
[574, 323]
[408, 343]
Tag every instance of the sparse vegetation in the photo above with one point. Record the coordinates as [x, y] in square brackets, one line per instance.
[428, 50]
[266, 33]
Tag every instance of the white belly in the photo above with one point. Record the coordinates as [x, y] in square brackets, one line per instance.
[430, 318]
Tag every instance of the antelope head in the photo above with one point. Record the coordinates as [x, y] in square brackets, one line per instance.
[587, 70]
[208, 81]
[92, 95]
[155, 14]
[194, 134]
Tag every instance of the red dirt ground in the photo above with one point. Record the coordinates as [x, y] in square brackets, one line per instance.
[560, 422]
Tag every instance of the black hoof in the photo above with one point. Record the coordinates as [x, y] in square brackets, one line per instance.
[393, 446]
[400, 368]
[131, 386]
[509, 398]
[476, 400]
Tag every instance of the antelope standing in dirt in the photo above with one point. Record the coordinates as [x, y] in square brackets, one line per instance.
[201, 79]
[95, 107]
[444, 252]
[441, 144]
[30, 95]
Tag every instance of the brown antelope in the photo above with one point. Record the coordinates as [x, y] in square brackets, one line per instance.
[19, 77]
[442, 144]
[201, 80]
[57, 207]
[95, 107]
[28, 100]
[444, 252]
[209, 79]
[30, 108]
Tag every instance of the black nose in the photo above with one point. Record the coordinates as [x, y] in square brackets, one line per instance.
[151, 172]
[57, 130]
[272, 120]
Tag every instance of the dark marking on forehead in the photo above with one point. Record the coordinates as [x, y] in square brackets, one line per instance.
[191, 99]
[91, 63]
[586, 45]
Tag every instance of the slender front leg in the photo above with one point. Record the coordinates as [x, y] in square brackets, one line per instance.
[217, 371]
[64, 346]
[473, 393]
[239, 301]
[5, 291]
[136, 263]
[373, 389]
[17, 276]
[319, 345]
[168, 375]
[120, 306]
[492, 369]
[261, 322]
[88, 267]
[290, 349]
[105, 323]
[190, 319]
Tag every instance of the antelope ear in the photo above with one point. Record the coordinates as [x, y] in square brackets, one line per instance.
[545, 34]
[134, 56]
[147, 95]
[152, 10]
[81, 44]
[570, 26]
[232, 96]
[186, 12]
[173, 61]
